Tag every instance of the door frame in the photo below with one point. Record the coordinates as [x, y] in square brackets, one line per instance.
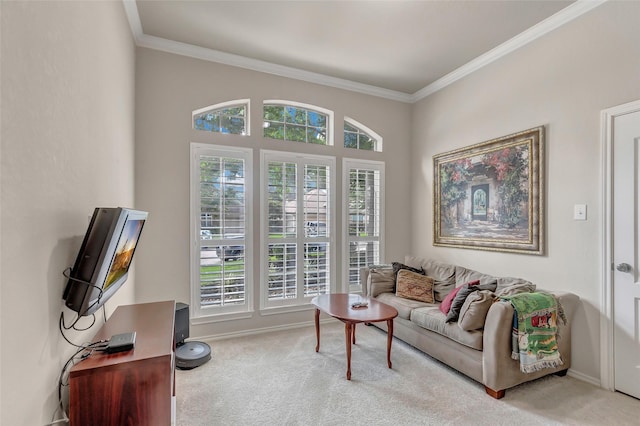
[607, 364]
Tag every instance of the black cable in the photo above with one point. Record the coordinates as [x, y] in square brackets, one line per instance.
[61, 380]
[73, 325]
[89, 348]
[82, 347]
[62, 328]
[87, 327]
[62, 324]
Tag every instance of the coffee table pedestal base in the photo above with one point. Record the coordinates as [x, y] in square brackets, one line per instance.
[350, 337]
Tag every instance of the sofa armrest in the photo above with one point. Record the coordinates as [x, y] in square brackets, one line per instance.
[568, 301]
[376, 286]
[499, 370]
[364, 276]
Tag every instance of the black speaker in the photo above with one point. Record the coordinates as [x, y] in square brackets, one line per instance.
[182, 322]
[190, 354]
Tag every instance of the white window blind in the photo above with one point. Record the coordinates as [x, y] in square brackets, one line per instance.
[363, 187]
[220, 191]
[297, 200]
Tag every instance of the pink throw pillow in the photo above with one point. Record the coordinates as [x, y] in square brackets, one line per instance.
[445, 305]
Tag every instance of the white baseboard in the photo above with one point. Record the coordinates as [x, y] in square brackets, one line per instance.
[580, 376]
[255, 331]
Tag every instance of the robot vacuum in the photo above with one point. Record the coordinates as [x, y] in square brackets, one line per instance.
[192, 354]
[188, 354]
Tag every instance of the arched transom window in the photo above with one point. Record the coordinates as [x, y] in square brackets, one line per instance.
[358, 136]
[297, 122]
[227, 117]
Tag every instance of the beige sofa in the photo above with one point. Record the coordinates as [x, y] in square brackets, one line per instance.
[483, 354]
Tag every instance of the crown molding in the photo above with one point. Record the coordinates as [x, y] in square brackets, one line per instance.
[212, 55]
[556, 20]
[560, 18]
[131, 10]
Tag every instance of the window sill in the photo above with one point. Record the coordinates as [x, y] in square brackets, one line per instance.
[207, 319]
[276, 310]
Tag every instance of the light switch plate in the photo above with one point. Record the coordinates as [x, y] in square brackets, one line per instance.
[580, 212]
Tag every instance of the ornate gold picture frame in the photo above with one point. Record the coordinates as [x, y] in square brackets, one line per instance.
[490, 196]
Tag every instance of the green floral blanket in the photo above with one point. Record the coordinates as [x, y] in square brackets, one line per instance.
[534, 339]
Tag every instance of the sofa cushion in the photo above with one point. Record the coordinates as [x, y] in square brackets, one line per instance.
[414, 286]
[443, 274]
[432, 319]
[466, 290]
[404, 306]
[464, 275]
[474, 310]
[380, 280]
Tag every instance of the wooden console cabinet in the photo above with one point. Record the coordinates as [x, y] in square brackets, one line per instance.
[136, 387]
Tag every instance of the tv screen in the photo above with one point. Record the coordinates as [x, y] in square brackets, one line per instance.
[103, 261]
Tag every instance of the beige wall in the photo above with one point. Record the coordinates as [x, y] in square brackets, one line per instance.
[168, 88]
[67, 80]
[67, 147]
[561, 81]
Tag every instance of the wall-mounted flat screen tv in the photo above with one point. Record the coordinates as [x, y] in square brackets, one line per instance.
[103, 261]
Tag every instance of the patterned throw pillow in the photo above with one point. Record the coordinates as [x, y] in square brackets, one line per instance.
[443, 274]
[414, 286]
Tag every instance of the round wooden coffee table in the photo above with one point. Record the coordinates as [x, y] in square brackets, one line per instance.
[338, 305]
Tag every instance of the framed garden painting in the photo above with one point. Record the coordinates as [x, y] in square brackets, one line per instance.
[489, 196]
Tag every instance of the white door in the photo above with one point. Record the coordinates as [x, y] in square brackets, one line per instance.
[626, 253]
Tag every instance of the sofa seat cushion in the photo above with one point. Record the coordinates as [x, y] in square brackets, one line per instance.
[404, 306]
[432, 319]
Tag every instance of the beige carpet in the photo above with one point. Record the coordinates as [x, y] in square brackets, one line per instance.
[278, 379]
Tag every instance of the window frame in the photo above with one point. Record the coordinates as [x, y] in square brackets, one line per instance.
[246, 103]
[366, 130]
[301, 302]
[347, 165]
[309, 107]
[199, 313]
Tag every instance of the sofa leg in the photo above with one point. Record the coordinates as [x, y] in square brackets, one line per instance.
[561, 373]
[494, 393]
